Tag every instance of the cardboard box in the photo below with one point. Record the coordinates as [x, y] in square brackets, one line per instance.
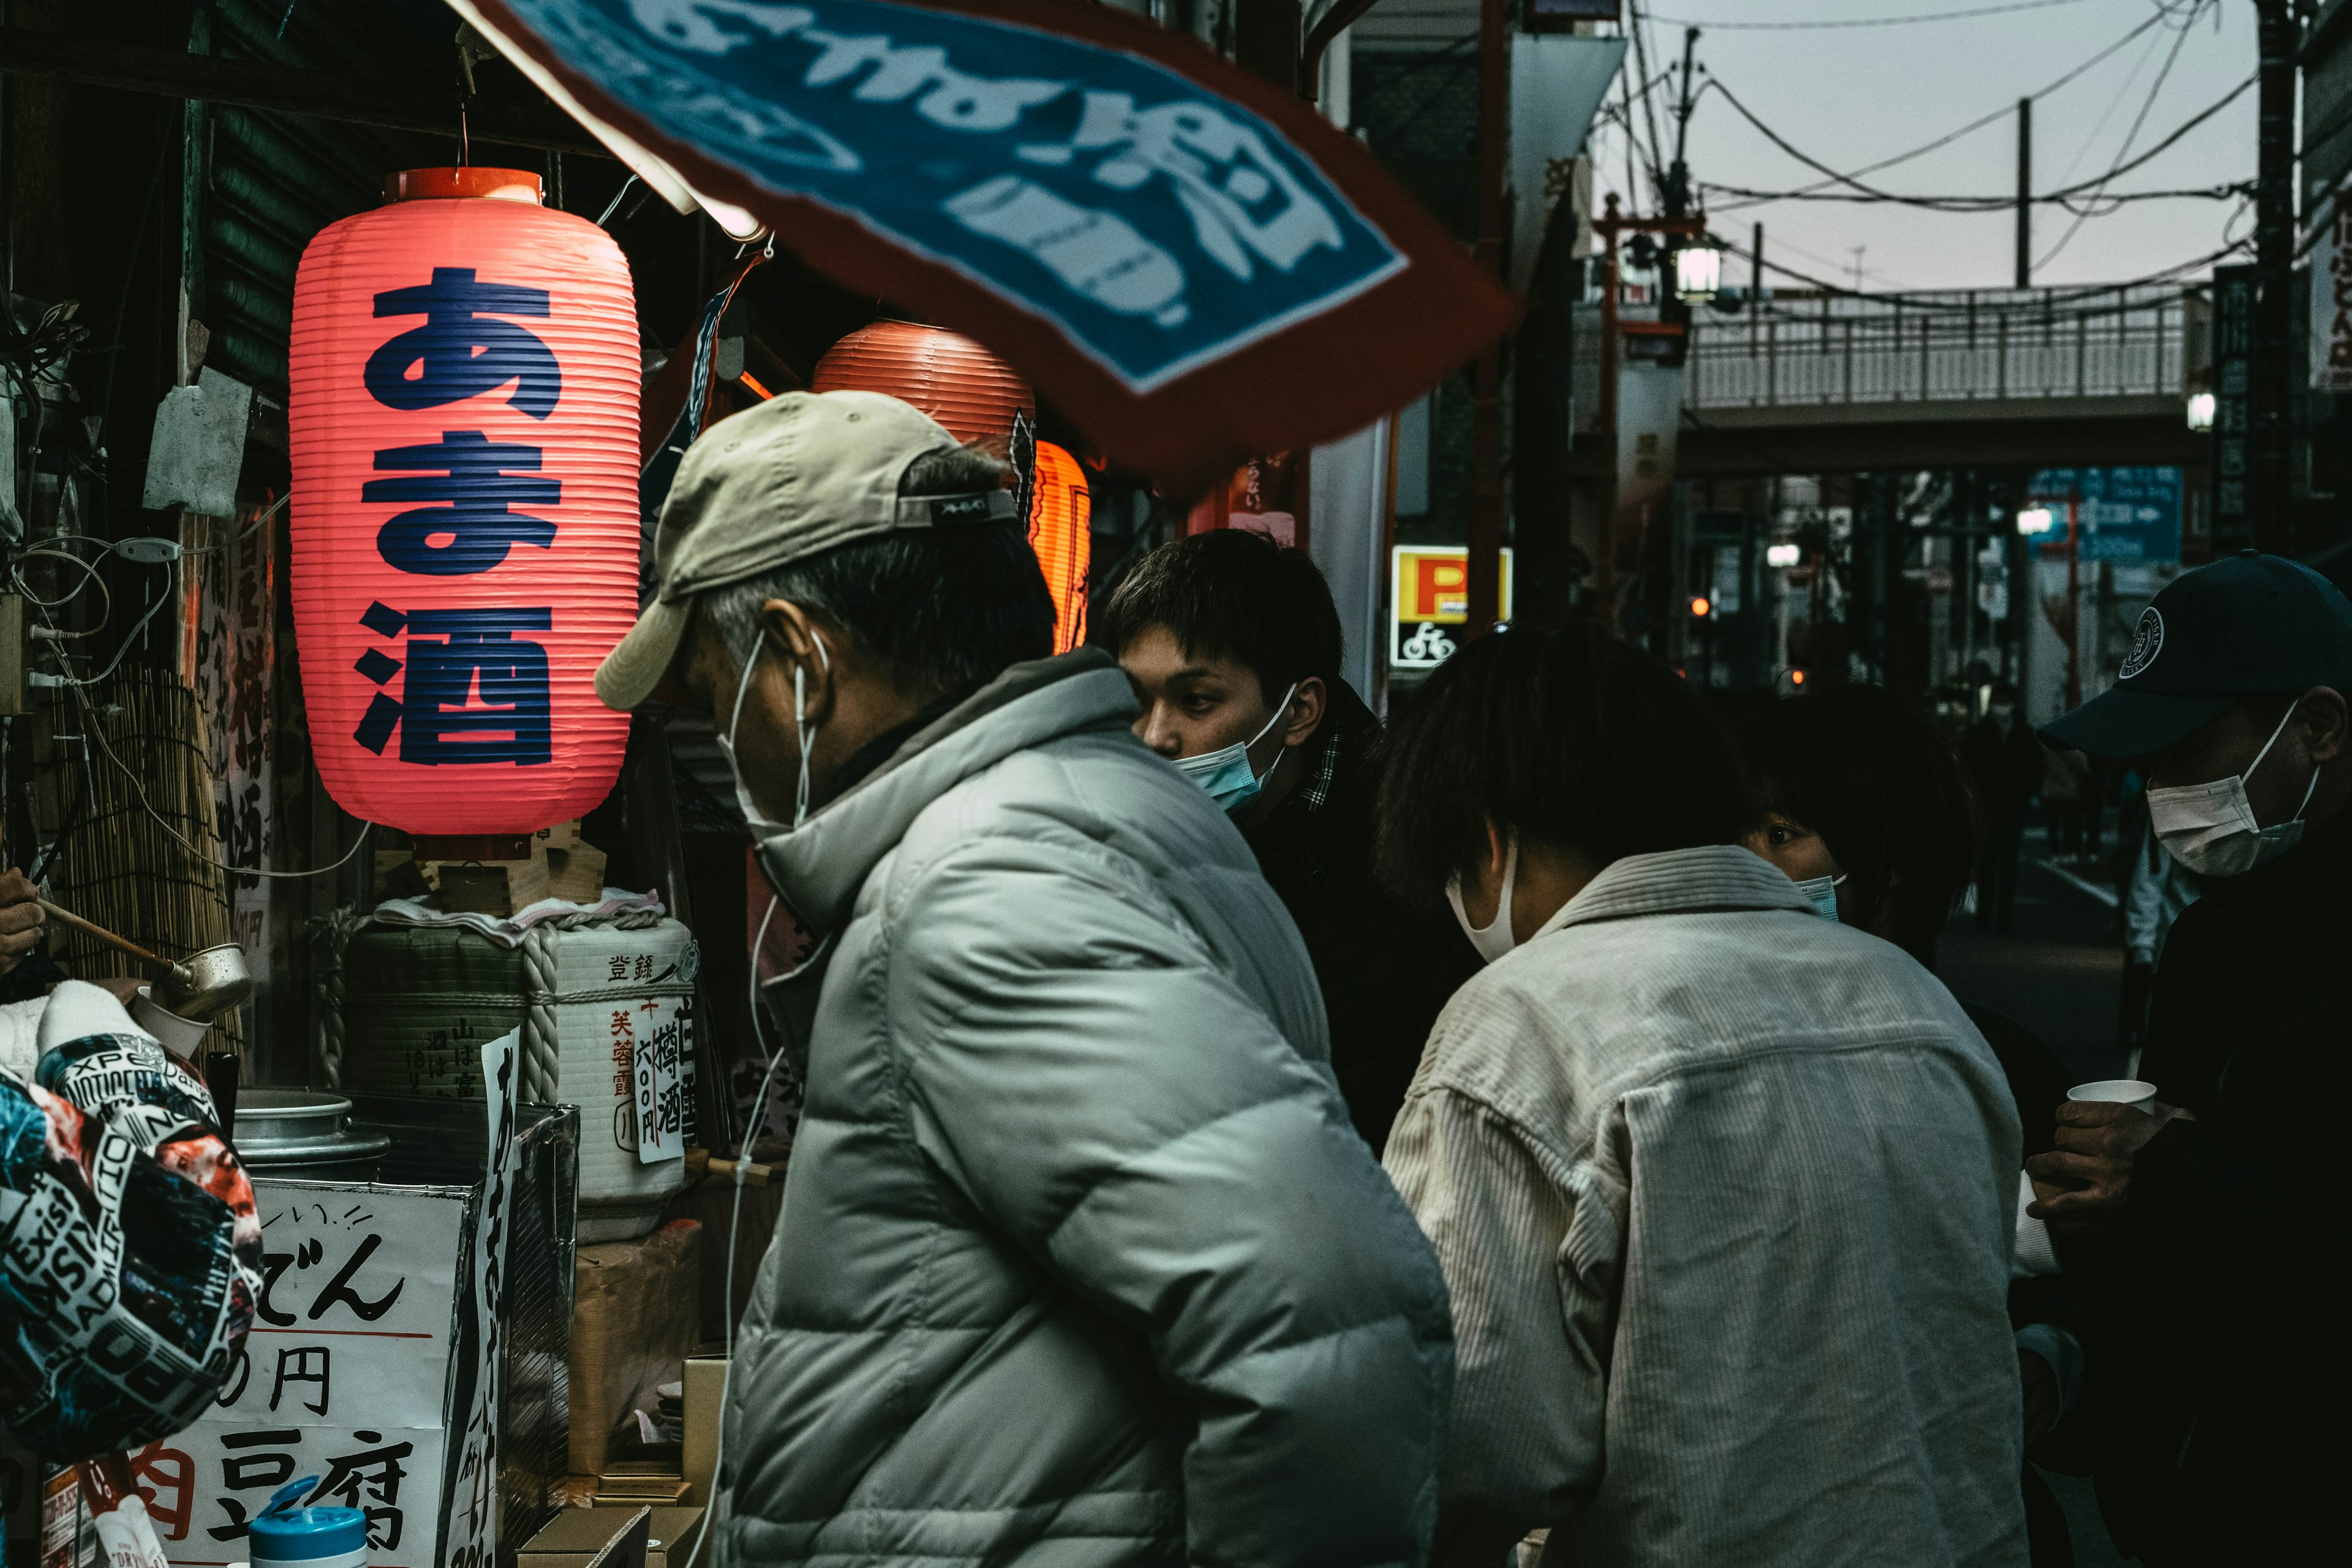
[646, 1479]
[675, 1531]
[706, 1387]
[636, 1314]
[574, 1537]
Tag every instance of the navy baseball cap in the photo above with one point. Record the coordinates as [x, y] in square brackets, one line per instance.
[2253, 623]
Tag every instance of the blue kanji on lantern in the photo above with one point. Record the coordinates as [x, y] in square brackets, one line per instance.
[462, 350]
[472, 476]
[478, 656]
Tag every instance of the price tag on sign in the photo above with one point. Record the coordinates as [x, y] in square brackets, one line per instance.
[661, 1087]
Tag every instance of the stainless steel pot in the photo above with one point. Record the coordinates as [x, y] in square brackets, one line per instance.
[302, 1132]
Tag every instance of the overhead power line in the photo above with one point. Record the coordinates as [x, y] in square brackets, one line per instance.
[2035, 309]
[2083, 213]
[1998, 115]
[1751, 197]
[1960, 204]
[1867, 21]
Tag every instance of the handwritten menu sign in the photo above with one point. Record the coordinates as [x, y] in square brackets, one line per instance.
[345, 1376]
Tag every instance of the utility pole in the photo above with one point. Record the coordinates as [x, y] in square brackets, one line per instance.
[1265, 41]
[1664, 563]
[1756, 293]
[2025, 192]
[1485, 556]
[2269, 398]
[1678, 176]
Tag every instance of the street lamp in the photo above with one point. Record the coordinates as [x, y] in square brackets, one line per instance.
[1699, 273]
[2034, 519]
[1783, 555]
[2200, 412]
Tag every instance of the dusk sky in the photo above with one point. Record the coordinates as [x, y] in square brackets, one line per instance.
[1852, 96]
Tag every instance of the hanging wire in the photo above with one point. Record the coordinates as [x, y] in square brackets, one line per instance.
[617, 198]
[89, 575]
[2097, 205]
[2037, 309]
[1994, 118]
[1867, 21]
[93, 726]
[2085, 214]
[1958, 203]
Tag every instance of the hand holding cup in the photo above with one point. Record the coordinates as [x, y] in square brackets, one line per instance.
[2085, 1182]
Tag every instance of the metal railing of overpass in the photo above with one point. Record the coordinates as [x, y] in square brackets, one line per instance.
[1957, 346]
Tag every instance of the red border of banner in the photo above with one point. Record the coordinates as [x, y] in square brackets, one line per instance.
[1316, 381]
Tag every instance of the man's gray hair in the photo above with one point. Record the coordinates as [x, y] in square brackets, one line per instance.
[941, 607]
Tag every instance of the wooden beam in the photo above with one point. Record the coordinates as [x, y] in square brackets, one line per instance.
[254, 84]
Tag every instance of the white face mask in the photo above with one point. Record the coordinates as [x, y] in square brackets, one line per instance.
[1822, 890]
[2210, 827]
[1494, 939]
[762, 827]
[1226, 774]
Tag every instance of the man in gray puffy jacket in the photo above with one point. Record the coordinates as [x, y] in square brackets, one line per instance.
[1080, 1261]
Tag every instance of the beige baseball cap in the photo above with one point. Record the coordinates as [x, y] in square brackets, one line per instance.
[800, 474]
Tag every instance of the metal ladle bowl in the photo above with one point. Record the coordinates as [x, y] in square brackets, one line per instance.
[199, 987]
[203, 985]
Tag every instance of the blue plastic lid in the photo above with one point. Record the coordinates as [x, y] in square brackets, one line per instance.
[283, 1533]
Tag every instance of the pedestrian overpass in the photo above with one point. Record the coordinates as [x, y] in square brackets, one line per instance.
[1985, 379]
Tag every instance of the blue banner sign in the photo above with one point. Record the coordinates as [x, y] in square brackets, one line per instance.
[2130, 515]
[1158, 227]
[1190, 262]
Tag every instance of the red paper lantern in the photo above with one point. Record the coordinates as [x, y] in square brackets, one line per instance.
[464, 377]
[1060, 507]
[946, 374]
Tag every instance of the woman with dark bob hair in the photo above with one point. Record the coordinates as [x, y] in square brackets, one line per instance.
[1856, 790]
[1855, 785]
[1719, 1186]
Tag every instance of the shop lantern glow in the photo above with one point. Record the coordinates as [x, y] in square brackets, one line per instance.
[464, 429]
[947, 376]
[1060, 507]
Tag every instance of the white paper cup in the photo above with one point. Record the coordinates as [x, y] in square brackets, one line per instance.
[2128, 1092]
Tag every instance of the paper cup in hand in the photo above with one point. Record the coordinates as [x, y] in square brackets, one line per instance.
[2128, 1092]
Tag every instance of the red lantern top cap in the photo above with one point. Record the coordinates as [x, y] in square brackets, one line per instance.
[429, 184]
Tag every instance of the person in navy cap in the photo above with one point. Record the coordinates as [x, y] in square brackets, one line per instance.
[2218, 1223]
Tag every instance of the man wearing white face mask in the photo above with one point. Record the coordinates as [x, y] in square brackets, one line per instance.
[2220, 1223]
[1723, 1191]
[1079, 1261]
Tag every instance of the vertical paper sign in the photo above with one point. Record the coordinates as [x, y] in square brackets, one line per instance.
[344, 1378]
[659, 1053]
[474, 1489]
[2331, 301]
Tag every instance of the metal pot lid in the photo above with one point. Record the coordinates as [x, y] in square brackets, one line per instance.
[276, 1115]
[284, 1126]
[344, 1145]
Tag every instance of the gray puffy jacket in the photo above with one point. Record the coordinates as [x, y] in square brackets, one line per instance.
[1080, 1261]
